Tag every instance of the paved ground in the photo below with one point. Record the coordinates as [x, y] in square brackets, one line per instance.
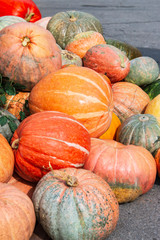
[138, 23]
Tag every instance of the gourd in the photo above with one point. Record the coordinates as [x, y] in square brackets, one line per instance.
[152, 89]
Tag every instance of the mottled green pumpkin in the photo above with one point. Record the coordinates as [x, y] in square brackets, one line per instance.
[70, 58]
[141, 130]
[143, 70]
[75, 204]
[152, 89]
[65, 25]
[9, 20]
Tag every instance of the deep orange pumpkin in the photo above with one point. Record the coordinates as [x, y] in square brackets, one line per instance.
[47, 138]
[78, 91]
[130, 170]
[27, 53]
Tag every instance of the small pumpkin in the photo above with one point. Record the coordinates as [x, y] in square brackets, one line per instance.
[17, 216]
[108, 60]
[70, 58]
[153, 108]
[65, 25]
[9, 20]
[89, 209]
[6, 160]
[129, 170]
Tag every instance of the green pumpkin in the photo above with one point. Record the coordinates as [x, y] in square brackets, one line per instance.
[8, 124]
[143, 70]
[141, 130]
[9, 20]
[152, 89]
[65, 25]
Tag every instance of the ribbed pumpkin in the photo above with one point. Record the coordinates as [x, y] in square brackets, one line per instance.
[129, 170]
[128, 99]
[153, 108]
[49, 137]
[141, 130]
[17, 216]
[27, 53]
[65, 25]
[6, 160]
[9, 20]
[109, 60]
[75, 204]
[77, 91]
[152, 89]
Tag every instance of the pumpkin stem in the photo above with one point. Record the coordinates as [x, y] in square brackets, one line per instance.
[72, 19]
[71, 181]
[15, 143]
[25, 41]
[122, 61]
[29, 15]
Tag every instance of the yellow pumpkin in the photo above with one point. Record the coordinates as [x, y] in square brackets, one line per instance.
[153, 107]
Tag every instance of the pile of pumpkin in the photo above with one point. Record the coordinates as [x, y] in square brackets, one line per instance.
[83, 135]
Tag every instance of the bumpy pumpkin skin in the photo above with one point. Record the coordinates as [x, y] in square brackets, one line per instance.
[79, 92]
[17, 216]
[129, 170]
[27, 53]
[47, 138]
[88, 211]
[65, 25]
[108, 60]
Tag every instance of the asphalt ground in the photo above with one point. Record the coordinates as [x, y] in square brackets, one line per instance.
[137, 23]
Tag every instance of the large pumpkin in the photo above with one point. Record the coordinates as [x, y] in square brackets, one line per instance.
[130, 170]
[75, 204]
[65, 25]
[17, 216]
[77, 91]
[27, 53]
[47, 138]
[6, 160]
[128, 99]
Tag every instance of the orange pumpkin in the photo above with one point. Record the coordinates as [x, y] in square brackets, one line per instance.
[153, 108]
[77, 91]
[6, 160]
[28, 52]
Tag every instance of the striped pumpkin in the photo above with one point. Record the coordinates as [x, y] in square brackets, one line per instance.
[78, 91]
[47, 138]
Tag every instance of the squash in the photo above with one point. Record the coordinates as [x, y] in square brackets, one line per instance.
[8, 124]
[83, 41]
[153, 108]
[152, 89]
[49, 137]
[129, 170]
[6, 160]
[65, 25]
[109, 60]
[26, 48]
[76, 91]
[9, 20]
[17, 216]
[143, 70]
[128, 99]
[141, 130]
[75, 204]
[70, 58]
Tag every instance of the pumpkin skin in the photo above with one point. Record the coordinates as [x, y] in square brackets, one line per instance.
[152, 89]
[83, 41]
[6, 160]
[128, 99]
[32, 44]
[108, 60]
[43, 22]
[69, 58]
[153, 108]
[47, 138]
[90, 208]
[9, 20]
[141, 130]
[76, 91]
[17, 216]
[129, 170]
[65, 25]
[143, 70]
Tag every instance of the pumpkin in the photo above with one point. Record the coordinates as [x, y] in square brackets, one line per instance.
[152, 89]
[6, 160]
[153, 107]
[70, 58]
[83, 41]
[16, 104]
[8, 124]
[75, 204]
[79, 92]
[65, 25]
[9, 20]
[26, 48]
[43, 22]
[129, 170]
[128, 99]
[157, 159]
[141, 130]
[17, 216]
[49, 137]
[108, 60]
[143, 70]
[111, 132]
